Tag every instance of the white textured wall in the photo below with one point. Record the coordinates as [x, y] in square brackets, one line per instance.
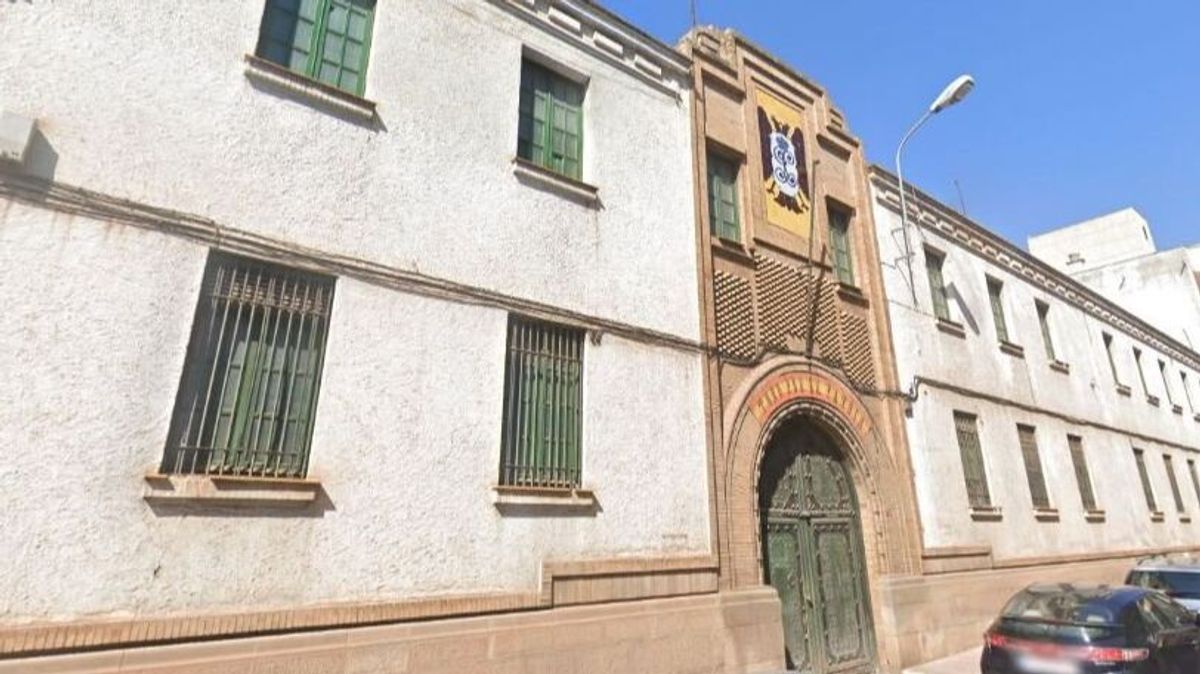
[1161, 289]
[1086, 393]
[1113, 237]
[149, 101]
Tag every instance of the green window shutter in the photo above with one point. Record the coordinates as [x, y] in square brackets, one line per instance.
[1169, 465]
[723, 198]
[327, 40]
[1082, 475]
[839, 238]
[1033, 466]
[543, 393]
[996, 297]
[250, 387]
[550, 125]
[1187, 393]
[974, 472]
[1162, 371]
[1140, 457]
[937, 284]
[1043, 312]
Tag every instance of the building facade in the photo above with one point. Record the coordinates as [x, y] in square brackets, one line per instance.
[331, 314]
[811, 480]
[1115, 255]
[1055, 436]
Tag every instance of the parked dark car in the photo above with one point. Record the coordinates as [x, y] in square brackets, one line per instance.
[1092, 629]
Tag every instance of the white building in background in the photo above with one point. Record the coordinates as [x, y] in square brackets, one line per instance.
[1055, 436]
[336, 313]
[1115, 255]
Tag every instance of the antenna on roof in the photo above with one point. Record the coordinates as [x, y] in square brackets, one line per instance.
[695, 22]
[962, 204]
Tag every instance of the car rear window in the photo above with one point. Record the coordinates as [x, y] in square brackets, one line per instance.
[1173, 582]
[1038, 630]
[1062, 606]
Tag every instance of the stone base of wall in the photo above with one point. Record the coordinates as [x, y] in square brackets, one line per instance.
[730, 632]
[934, 616]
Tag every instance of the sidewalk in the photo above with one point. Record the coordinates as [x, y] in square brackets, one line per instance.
[966, 662]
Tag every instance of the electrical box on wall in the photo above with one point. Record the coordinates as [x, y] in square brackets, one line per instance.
[16, 135]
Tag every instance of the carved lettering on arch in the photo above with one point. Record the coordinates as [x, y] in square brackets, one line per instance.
[789, 387]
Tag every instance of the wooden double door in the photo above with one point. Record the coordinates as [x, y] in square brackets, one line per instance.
[813, 553]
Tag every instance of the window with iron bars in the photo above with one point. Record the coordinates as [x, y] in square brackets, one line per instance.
[253, 371]
[543, 395]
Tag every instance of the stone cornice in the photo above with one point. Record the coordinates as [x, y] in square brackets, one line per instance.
[601, 33]
[937, 217]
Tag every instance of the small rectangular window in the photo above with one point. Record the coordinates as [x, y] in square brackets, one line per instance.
[1112, 363]
[253, 370]
[1144, 474]
[723, 198]
[327, 40]
[543, 399]
[1043, 313]
[934, 261]
[1162, 370]
[839, 239]
[1033, 467]
[1169, 465]
[550, 125]
[996, 297]
[1137, 359]
[974, 472]
[1082, 474]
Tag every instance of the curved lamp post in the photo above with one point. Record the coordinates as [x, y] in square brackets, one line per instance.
[953, 93]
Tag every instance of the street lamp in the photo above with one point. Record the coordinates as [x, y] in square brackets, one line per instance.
[953, 93]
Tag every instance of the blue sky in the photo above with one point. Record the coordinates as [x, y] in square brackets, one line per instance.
[1081, 107]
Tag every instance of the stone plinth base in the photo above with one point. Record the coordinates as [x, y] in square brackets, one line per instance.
[732, 632]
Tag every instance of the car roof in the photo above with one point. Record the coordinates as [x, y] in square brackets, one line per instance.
[1172, 564]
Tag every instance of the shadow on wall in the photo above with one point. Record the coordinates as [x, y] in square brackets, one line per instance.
[200, 508]
[963, 309]
[279, 90]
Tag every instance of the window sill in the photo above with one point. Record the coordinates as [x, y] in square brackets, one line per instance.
[1124, 390]
[1186, 519]
[852, 293]
[230, 490]
[1177, 409]
[1095, 516]
[577, 190]
[987, 513]
[550, 497]
[1059, 366]
[1196, 418]
[952, 328]
[318, 92]
[1158, 516]
[1153, 400]
[1011, 349]
[1046, 514]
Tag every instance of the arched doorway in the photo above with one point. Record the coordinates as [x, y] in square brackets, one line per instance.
[813, 551]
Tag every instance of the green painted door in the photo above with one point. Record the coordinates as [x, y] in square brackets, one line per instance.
[813, 554]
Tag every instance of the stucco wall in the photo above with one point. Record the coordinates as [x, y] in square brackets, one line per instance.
[1004, 390]
[1162, 289]
[406, 444]
[149, 101]
[1113, 237]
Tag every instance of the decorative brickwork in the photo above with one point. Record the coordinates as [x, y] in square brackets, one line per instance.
[859, 361]
[783, 300]
[828, 332]
[735, 315]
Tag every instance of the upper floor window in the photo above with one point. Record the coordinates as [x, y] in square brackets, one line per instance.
[543, 400]
[996, 298]
[1191, 463]
[1033, 467]
[1169, 465]
[1162, 371]
[550, 128]
[1043, 313]
[974, 472]
[327, 40]
[839, 241]
[1187, 392]
[723, 198]
[253, 370]
[934, 261]
[1137, 359]
[1112, 363]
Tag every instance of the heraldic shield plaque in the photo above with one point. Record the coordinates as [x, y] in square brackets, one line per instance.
[785, 165]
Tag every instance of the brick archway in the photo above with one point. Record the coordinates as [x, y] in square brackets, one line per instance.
[782, 390]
